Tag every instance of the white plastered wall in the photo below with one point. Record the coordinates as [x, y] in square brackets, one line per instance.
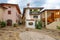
[30, 26]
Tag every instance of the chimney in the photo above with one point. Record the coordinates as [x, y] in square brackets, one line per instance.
[28, 5]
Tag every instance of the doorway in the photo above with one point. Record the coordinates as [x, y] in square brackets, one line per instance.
[9, 22]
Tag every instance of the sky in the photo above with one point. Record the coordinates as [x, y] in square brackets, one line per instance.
[47, 4]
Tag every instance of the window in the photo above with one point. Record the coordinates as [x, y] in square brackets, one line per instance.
[35, 16]
[38, 10]
[30, 23]
[9, 12]
[32, 9]
[9, 6]
[16, 20]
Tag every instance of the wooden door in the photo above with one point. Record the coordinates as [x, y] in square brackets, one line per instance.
[9, 22]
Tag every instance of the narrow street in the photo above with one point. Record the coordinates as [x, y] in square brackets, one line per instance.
[21, 33]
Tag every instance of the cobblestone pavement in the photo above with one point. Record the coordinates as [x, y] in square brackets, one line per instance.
[13, 33]
[10, 33]
[34, 36]
[53, 33]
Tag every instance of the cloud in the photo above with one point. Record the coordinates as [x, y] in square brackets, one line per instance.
[13, 1]
[47, 4]
[52, 4]
[21, 3]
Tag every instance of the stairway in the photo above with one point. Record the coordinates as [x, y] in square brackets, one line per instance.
[53, 25]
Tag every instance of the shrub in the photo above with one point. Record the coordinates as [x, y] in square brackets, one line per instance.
[15, 25]
[38, 25]
[58, 27]
[3, 24]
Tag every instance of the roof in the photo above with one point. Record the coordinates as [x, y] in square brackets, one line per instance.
[49, 10]
[34, 7]
[31, 8]
[2, 4]
[3, 7]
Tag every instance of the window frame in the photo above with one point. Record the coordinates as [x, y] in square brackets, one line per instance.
[9, 12]
[35, 16]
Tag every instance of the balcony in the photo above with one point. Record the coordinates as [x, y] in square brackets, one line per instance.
[34, 13]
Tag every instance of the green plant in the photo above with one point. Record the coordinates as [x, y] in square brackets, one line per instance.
[3, 24]
[58, 27]
[38, 25]
[15, 25]
[34, 10]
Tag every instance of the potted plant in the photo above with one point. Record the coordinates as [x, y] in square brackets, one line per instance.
[58, 27]
[3, 24]
[15, 25]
